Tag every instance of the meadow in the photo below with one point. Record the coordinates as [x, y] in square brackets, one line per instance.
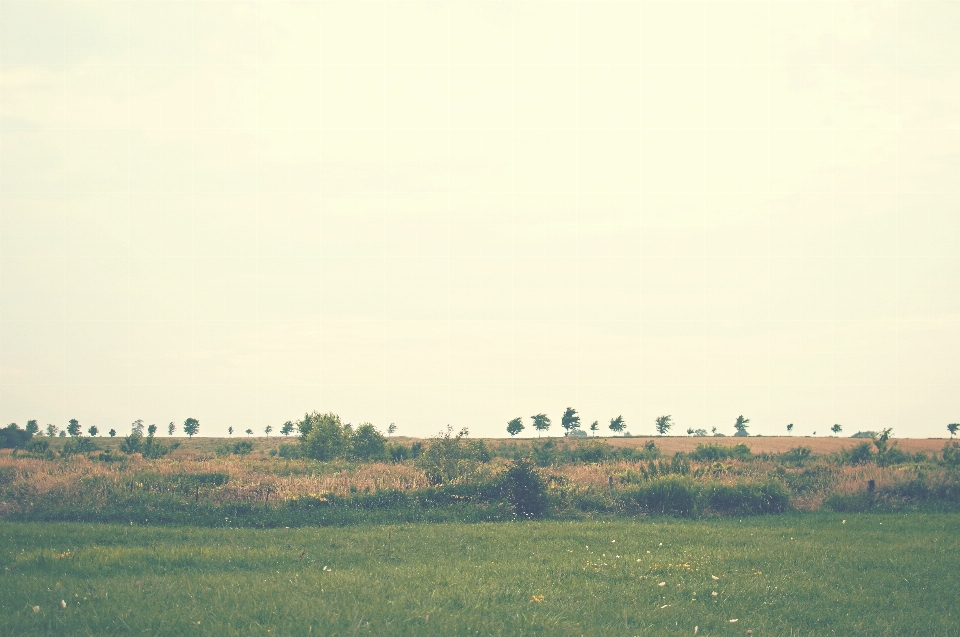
[790, 575]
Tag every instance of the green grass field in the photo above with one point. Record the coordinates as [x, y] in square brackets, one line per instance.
[877, 574]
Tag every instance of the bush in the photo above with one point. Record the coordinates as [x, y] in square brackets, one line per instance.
[368, 443]
[527, 491]
[713, 453]
[749, 498]
[290, 452]
[861, 454]
[326, 438]
[950, 457]
[451, 458]
[796, 455]
[13, 437]
[78, 445]
[671, 495]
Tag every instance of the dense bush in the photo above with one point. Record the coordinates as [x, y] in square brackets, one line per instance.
[527, 490]
[861, 454]
[712, 453]
[450, 457]
[748, 498]
[670, 495]
[13, 437]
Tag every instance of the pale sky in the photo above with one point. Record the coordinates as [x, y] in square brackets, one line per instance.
[465, 211]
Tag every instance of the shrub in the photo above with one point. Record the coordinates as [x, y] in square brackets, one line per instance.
[78, 445]
[527, 491]
[326, 438]
[749, 498]
[368, 443]
[671, 495]
[848, 502]
[450, 457]
[796, 455]
[712, 453]
[13, 437]
[950, 457]
[861, 454]
[290, 452]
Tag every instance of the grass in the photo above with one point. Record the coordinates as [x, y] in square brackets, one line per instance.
[797, 574]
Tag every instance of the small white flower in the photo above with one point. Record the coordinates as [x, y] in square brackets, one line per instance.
[696, 629]
[613, 541]
[844, 522]
[714, 578]
[734, 621]
[713, 594]
[63, 604]
[662, 584]
[36, 609]
[664, 606]
[661, 543]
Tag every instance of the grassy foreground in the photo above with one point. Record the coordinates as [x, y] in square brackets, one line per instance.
[812, 574]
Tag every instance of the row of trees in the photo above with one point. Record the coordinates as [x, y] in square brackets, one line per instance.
[570, 421]
[190, 427]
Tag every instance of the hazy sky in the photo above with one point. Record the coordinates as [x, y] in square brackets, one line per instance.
[465, 211]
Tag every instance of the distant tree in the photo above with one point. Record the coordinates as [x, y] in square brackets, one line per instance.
[570, 420]
[112, 432]
[287, 428]
[952, 428]
[689, 431]
[32, 428]
[268, 429]
[368, 443]
[392, 429]
[617, 424]
[664, 423]
[881, 440]
[93, 431]
[595, 427]
[171, 428]
[836, 429]
[73, 427]
[741, 424]
[700, 432]
[249, 432]
[713, 430]
[62, 434]
[230, 431]
[152, 431]
[191, 426]
[326, 437]
[52, 430]
[515, 426]
[541, 422]
[790, 428]
[137, 427]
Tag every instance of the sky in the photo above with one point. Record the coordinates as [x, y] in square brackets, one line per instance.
[464, 211]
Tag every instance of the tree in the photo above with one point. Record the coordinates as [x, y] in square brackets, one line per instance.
[392, 429]
[32, 428]
[790, 428]
[595, 427]
[450, 458]
[152, 431]
[515, 426]
[230, 431]
[541, 422]
[952, 428]
[62, 434]
[881, 439]
[836, 429]
[570, 420]
[52, 430]
[689, 431]
[326, 436]
[191, 426]
[268, 429]
[368, 443]
[93, 431]
[741, 425]
[664, 423]
[112, 432]
[137, 427]
[73, 427]
[249, 432]
[171, 428]
[617, 424]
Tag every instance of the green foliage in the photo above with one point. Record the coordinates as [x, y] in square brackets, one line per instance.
[73, 428]
[748, 498]
[242, 447]
[191, 426]
[451, 458]
[368, 443]
[527, 490]
[287, 428]
[52, 430]
[288, 451]
[741, 425]
[171, 428]
[861, 454]
[78, 445]
[617, 425]
[711, 453]
[950, 456]
[952, 428]
[796, 455]
[663, 424]
[12, 437]
[836, 429]
[32, 428]
[541, 422]
[326, 438]
[570, 420]
[515, 426]
[670, 495]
